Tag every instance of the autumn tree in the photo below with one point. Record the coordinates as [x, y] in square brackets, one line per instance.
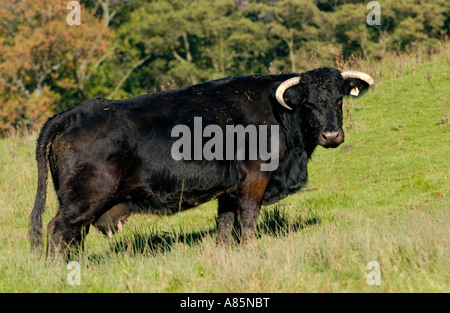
[44, 62]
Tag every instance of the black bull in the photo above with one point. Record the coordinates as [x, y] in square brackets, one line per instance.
[111, 158]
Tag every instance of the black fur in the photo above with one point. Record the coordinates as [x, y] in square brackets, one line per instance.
[108, 154]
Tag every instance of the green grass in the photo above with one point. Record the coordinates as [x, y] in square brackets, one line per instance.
[385, 199]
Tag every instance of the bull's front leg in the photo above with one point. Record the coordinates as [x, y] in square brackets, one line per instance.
[251, 192]
[226, 217]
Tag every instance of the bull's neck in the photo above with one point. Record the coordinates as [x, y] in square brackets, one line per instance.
[298, 134]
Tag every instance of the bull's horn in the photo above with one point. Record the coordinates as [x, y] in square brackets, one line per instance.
[283, 87]
[359, 75]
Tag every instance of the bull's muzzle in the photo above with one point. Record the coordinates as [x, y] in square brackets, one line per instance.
[331, 139]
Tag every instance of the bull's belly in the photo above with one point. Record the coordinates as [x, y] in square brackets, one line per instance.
[165, 202]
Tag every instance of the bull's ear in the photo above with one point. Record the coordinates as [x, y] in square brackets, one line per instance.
[356, 87]
[292, 96]
[356, 83]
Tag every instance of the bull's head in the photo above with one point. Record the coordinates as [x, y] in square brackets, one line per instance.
[317, 95]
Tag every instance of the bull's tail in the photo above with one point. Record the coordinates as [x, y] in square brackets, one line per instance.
[47, 134]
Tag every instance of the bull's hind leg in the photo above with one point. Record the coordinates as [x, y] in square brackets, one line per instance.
[67, 230]
[82, 196]
[64, 236]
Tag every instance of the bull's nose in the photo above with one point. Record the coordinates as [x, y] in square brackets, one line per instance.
[331, 139]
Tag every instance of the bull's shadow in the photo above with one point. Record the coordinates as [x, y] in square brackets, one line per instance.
[155, 242]
[277, 222]
[274, 222]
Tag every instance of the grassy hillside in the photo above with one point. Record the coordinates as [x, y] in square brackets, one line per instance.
[383, 196]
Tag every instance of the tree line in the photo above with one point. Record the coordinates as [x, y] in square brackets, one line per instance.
[124, 48]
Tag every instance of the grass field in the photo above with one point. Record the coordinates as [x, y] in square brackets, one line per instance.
[383, 196]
